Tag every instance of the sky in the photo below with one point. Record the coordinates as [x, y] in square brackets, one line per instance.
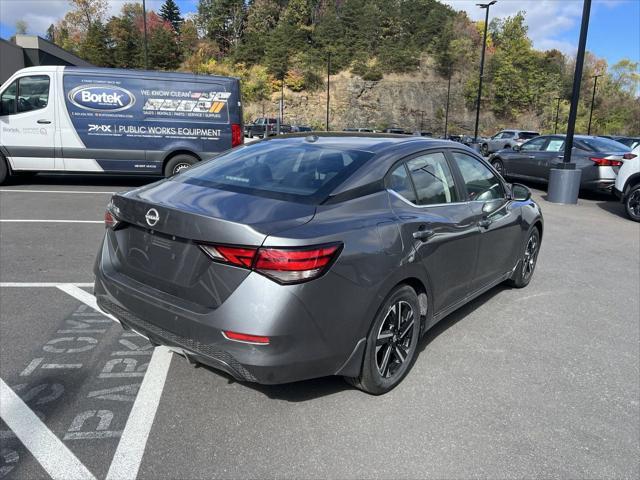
[614, 29]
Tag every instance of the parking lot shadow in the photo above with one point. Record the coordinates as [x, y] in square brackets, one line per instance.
[84, 180]
[320, 387]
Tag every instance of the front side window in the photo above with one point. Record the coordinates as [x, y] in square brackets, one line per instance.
[8, 99]
[534, 145]
[400, 183]
[508, 134]
[432, 178]
[480, 181]
[26, 94]
[301, 172]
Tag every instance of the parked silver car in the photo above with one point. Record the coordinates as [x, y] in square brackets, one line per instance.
[506, 139]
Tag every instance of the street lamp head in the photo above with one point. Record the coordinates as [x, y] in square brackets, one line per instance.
[486, 5]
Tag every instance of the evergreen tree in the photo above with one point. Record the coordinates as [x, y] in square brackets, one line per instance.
[223, 21]
[94, 48]
[170, 12]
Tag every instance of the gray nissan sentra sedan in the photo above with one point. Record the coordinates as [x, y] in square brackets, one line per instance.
[305, 256]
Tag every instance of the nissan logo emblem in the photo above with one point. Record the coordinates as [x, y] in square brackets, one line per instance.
[152, 216]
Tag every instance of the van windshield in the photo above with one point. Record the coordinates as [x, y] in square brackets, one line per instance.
[302, 172]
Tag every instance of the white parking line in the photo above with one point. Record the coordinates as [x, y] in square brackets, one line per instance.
[128, 456]
[82, 192]
[47, 449]
[84, 297]
[24, 220]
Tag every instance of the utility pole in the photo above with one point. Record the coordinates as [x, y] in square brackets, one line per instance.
[281, 118]
[328, 81]
[593, 99]
[446, 112]
[555, 128]
[564, 179]
[421, 120]
[486, 6]
[144, 23]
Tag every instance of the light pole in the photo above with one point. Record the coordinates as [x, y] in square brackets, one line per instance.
[144, 23]
[328, 80]
[593, 99]
[486, 6]
[555, 128]
[564, 180]
[446, 111]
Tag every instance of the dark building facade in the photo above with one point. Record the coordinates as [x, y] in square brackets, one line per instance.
[31, 51]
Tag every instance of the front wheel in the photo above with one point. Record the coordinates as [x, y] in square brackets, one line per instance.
[527, 264]
[632, 203]
[392, 343]
[4, 170]
[499, 166]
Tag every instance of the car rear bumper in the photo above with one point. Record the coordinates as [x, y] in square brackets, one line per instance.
[299, 348]
[599, 185]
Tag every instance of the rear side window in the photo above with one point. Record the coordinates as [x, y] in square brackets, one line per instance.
[432, 179]
[482, 184]
[555, 145]
[300, 172]
[527, 135]
[400, 183]
[25, 94]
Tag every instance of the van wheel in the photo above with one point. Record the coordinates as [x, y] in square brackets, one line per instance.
[392, 343]
[177, 164]
[4, 170]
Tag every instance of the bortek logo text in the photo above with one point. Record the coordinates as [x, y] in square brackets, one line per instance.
[101, 98]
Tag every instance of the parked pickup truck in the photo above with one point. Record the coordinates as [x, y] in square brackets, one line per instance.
[263, 127]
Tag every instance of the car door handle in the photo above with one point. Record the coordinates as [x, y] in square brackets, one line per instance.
[42, 121]
[484, 223]
[423, 234]
[532, 156]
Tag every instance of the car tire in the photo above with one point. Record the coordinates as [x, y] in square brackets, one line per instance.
[484, 149]
[632, 203]
[497, 164]
[178, 164]
[391, 338]
[5, 172]
[528, 260]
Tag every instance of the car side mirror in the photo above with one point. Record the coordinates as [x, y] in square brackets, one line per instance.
[520, 193]
[517, 148]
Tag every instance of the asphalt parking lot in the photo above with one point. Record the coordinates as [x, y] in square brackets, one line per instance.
[539, 382]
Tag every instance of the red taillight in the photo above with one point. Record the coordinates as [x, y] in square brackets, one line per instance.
[629, 156]
[605, 162]
[284, 265]
[239, 256]
[237, 138]
[110, 220]
[293, 265]
[246, 338]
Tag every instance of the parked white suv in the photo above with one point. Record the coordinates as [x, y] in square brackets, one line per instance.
[506, 139]
[627, 186]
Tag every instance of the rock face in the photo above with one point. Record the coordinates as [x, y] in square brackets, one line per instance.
[414, 101]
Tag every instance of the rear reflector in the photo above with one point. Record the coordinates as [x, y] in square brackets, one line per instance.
[246, 338]
[605, 162]
[284, 265]
[237, 138]
[629, 156]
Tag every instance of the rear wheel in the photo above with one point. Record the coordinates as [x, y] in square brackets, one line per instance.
[177, 164]
[527, 264]
[391, 344]
[632, 203]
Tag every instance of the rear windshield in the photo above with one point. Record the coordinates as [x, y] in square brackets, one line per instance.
[601, 145]
[303, 172]
[629, 142]
[528, 135]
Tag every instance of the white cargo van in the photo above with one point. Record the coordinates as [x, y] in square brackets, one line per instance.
[68, 119]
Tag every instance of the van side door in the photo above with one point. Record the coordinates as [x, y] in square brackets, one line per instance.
[27, 122]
